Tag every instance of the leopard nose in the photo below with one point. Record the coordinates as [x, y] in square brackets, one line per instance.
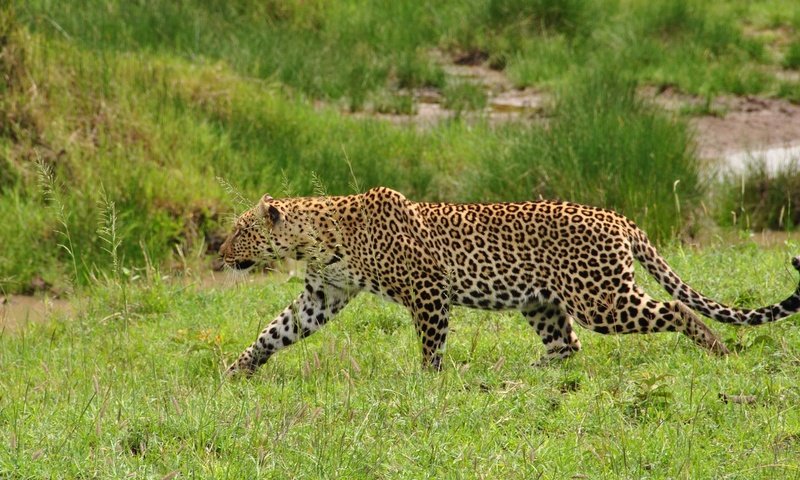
[243, 264]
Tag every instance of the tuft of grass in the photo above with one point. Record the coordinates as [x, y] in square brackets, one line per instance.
[696, 47]
[604, 146]
[571, 17]
[461, 96]
[762, 198]
[791, 58]
[396, 104]
[673, 18]
[790, 91]
[549, 61]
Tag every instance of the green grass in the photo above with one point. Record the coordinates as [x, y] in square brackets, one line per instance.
[395, 104]
[762, 200]
[179, 93]
[137, 107]
[603, 146]
[347, 49]
[105, 393]
[175, 126]
[792, 58]
[461, 96]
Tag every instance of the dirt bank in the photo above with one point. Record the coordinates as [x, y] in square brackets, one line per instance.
[16, 311]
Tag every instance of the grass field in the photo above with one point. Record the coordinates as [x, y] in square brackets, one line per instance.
[132, 131]
[135, 388]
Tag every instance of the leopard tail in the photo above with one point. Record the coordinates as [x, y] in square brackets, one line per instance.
[647, 255]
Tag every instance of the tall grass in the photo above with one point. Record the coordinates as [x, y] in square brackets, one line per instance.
[791, 58]
[328, 50]
[570, 17]
[154, 132]
[604, 146]
[349, 49]
[762, 198]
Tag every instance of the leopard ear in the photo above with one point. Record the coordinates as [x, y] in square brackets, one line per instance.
[274, 214]
[268, 210]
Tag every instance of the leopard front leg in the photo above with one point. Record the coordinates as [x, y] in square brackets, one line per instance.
[430, 309]
[418, 282]
[306, 314]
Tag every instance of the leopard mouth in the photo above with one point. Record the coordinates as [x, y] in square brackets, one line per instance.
[243, 264]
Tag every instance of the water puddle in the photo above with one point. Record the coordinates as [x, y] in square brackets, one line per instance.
[773, 160]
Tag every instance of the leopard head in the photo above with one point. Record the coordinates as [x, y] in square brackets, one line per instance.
[260, 235]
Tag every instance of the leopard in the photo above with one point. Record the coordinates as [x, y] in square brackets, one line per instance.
[558, 263]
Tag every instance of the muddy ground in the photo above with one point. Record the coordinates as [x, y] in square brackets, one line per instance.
[738, 124]
[18, 310]
[727, 128]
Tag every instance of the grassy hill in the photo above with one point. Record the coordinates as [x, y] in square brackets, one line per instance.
[145, 104]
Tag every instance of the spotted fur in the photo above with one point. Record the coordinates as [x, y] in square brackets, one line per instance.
[556, 262]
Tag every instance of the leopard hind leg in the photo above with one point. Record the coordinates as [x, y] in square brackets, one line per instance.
[555, 329]
[637, 312]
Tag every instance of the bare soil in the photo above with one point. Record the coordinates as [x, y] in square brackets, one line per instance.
[16, 311]
[729, 124]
